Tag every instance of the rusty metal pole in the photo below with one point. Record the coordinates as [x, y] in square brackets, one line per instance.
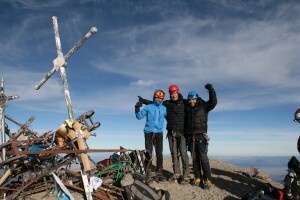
[23, 127]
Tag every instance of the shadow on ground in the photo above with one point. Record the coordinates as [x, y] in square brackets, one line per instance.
[235, 183]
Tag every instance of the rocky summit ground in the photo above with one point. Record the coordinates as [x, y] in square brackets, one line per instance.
[229, 183]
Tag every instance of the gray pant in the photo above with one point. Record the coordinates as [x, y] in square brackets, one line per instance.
[177, 144]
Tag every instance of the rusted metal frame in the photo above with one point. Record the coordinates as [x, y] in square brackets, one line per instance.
[23, 127]
[22, 144]
[15, 149]
[11, 160]
[47, 171]
[71, 151]
[102, 195]
[114, 190]
[8, 183]
[36, 189]
[30, 176]
[83, 120]
[45, 157]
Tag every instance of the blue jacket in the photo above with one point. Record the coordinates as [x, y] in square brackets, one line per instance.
[155, 115]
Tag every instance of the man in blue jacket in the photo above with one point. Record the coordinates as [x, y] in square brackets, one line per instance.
[155, 114]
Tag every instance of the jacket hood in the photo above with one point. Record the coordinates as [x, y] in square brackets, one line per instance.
[157, 102]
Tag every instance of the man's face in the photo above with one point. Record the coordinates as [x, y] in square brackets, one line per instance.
[192, 102]
[174, 96]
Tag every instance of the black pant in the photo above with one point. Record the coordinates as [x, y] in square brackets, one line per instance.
[199, 148]
[177, 144]
[156, 140]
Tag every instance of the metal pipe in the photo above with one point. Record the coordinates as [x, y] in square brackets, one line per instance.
[62, 68]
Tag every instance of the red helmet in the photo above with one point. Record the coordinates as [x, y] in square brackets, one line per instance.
[297, 115]
[173, 89]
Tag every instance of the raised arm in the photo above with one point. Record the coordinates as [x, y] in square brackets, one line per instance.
[144, 101]
[212, 102]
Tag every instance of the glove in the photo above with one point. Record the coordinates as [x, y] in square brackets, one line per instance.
[140, 98]
[137, 106]
[208, 86]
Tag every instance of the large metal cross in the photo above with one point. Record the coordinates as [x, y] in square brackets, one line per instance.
[60, 63]
[3, 102]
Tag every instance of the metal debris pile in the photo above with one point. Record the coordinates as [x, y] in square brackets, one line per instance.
[34, 163]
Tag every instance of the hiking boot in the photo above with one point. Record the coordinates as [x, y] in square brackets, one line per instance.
[174, 178]
[207, 184]
[196, 182]
[186, 180]
[160, 176]
[183, 180]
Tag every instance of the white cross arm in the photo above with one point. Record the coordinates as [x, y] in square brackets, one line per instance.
[58, 62]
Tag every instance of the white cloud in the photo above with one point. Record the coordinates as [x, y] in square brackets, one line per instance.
[141, 83]
[192, 51]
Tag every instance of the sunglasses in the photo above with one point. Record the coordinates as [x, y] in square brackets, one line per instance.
[159, 95]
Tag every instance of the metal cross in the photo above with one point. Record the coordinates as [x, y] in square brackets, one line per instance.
[24, 128]
[60, 63]
[3, 102]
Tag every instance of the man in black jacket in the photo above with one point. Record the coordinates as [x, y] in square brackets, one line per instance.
[196, 116]
[175, 126]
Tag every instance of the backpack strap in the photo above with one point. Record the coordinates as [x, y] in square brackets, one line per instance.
[150, 190]
[139, 190]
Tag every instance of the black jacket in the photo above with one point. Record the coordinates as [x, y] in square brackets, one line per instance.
[175, 114]
[196, 117]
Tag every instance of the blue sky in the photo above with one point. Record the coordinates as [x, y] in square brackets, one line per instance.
[248, 50]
